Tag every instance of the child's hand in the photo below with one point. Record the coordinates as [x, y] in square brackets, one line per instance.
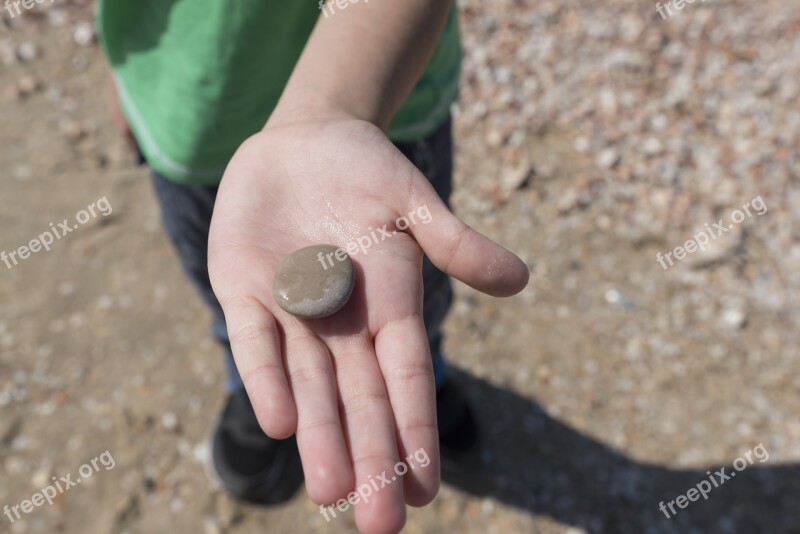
[356, 387]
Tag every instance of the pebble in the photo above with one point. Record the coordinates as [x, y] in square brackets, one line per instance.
[210, 526]
[71, 129]
[516, 177]
[169, 421]
[309, 284]
[41, 477]
[84, 34]
[57, 17]
[27, 52]
[607, 158]
[28, 85]
[734, 318]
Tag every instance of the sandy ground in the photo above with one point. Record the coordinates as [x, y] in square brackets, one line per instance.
[591, 136]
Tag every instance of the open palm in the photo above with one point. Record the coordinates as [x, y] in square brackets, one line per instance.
[356, 387]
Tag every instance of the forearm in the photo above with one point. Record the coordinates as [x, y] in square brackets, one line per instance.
[363, 62]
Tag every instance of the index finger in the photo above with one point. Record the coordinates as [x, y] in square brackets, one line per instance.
[255, 343]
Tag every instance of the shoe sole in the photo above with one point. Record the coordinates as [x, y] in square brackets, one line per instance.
[269, 492]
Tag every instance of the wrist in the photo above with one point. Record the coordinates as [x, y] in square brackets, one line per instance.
[306, 107]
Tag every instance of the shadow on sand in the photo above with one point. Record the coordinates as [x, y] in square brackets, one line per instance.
[536, 463]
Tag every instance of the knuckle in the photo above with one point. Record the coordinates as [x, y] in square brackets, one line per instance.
[260, 370]
[248, 332]
[363, 400]
[406, 373]
[314, 424]
[305, 374]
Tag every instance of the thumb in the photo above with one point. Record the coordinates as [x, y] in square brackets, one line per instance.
[457, 249]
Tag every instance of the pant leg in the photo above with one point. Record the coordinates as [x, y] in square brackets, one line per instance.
[186, 213]
[433, 156]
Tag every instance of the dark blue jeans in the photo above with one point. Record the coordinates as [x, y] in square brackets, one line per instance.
[186, 212]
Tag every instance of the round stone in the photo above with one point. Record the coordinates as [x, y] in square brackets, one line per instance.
[314, 281]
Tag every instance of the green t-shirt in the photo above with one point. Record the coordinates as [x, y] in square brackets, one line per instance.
[197, 77]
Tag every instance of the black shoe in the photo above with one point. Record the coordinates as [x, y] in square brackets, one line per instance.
[247, 463]
[458, 431]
